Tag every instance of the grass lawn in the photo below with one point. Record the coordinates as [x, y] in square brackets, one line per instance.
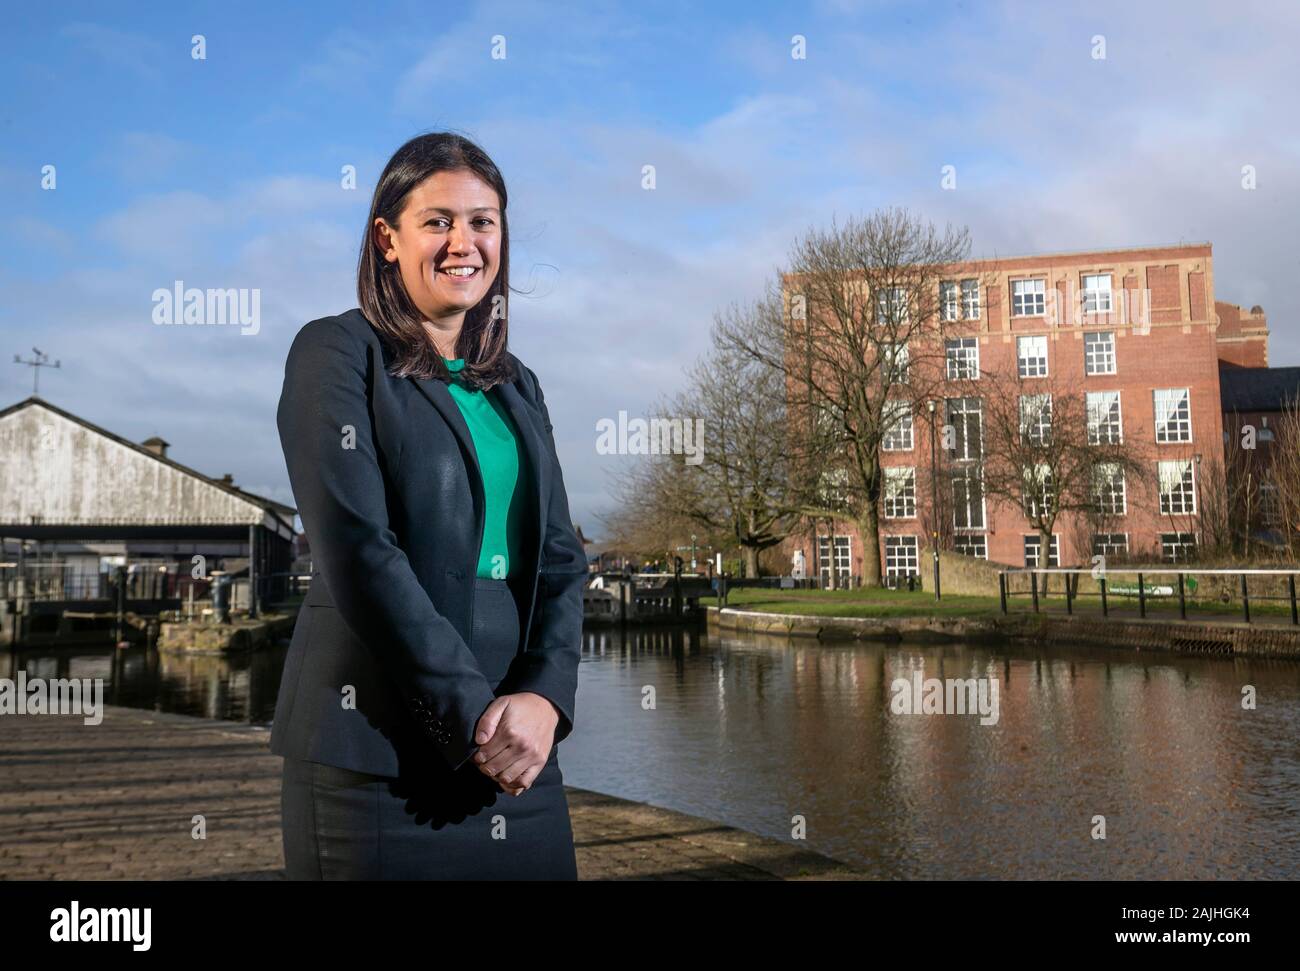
[861, 602]
[879, 602]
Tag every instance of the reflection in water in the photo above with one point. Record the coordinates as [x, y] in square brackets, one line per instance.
[236, 687]
[755, 731]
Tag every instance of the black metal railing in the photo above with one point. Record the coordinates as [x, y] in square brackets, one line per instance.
[1273, 591]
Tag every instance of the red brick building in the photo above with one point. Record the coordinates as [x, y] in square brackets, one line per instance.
[1137, 332]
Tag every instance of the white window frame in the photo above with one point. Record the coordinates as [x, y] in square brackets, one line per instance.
[891, 300]
[1109, 547]
[1029, 297]
[970, 300]
[1102, 417]
[1171, 426]
[895, 363]
[902, 556]
[1053, 550]
[1039, 487]
[1097, 298]
[1177, 541]
[962, 358]
[833, 486]
[1038, 344]
[1179, 474]
[899, 497]
[838, 550]
[949, 300]
[975, 545]
[1110, 490]
[958, 412]
[1038, 433]
[966, 507]
[905, 431]
[1099, 352]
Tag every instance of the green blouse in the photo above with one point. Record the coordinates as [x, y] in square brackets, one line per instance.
[501, 460]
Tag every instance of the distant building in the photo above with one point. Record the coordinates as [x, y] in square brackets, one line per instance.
[1242, 337]
[1254, 401]
[1143, 340]
[77, 495]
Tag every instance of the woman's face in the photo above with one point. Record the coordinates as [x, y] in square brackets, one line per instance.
[451, 219]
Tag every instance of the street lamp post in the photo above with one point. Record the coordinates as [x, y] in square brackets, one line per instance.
[934, 500]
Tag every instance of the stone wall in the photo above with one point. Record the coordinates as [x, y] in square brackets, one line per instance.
[1228, 639]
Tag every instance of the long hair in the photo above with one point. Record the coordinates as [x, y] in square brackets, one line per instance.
[382, 296]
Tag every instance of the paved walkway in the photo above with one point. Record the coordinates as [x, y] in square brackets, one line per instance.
[115, 801]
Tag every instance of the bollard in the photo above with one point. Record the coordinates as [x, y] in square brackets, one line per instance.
[1245, 599]
[1002, 591]
[1104, 611]
[1069, 595]
[1142, 598]
[1295, 618]
[1182, 599]
[221, 599]
[119, 604]
[1033, 586]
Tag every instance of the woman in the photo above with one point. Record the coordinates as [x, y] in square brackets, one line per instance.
[433, 667]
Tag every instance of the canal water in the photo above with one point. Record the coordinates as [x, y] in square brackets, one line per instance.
[778, 737]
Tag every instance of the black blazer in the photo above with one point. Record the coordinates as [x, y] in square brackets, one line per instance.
[387, 483]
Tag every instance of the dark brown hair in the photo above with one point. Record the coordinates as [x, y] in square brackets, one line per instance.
[382, 296]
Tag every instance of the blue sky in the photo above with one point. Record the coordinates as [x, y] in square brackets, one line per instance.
[225, 172]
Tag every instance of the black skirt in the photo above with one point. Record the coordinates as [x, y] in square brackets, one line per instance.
[431, 823]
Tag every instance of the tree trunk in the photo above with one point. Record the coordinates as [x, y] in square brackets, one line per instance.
[751, 561]
[869, 530]
[1044, 557]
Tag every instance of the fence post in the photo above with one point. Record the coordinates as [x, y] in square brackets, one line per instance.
[1295, 619]
[1104, 611]
[1182, 599]
[1069, 594]
[1142, 598]
[1033, 585]
[1245, 599]
[1002, 591]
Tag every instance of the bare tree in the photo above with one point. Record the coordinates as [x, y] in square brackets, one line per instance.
[643, 519]
[859, 341]
[1283, 476]
[737, 490]
[1046, 455]
[1229, 500]
[1250, 496]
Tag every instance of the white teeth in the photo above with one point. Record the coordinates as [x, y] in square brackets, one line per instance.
[461, 270]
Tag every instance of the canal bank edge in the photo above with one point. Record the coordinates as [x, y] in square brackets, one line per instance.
[133, 819]
[1182, 637]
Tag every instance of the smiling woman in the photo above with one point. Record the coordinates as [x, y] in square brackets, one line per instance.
[433, 668]
[434, 272]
